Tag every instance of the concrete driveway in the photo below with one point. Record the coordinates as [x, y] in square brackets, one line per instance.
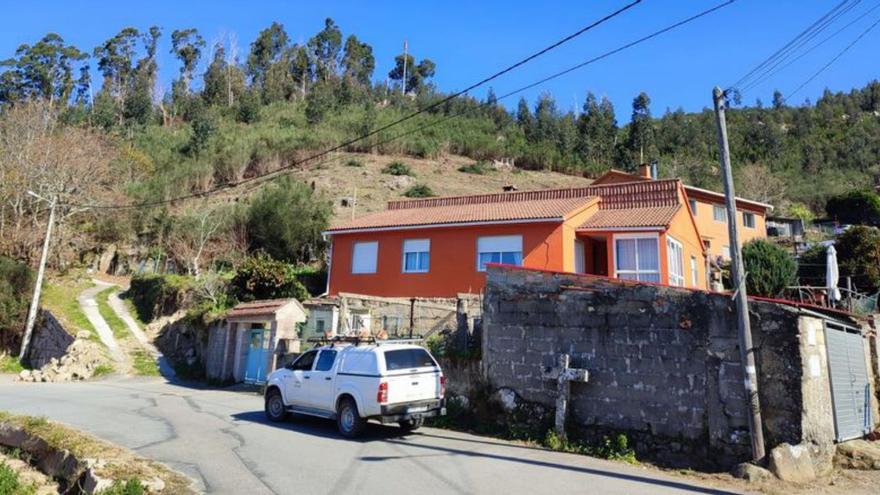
[221, 440]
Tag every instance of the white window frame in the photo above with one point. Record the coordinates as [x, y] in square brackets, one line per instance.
[715, 210]
[694, 272]
[646, 235]
[693, 204]
[370, 266]
[423, 248]
[499, 238]
[676, 279]
[748, 214]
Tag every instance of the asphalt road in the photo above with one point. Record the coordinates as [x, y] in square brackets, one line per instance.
[221, 439]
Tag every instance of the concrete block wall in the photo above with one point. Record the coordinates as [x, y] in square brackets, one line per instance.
[664, 362]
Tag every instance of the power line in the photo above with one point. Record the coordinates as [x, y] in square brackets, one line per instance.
[421, 128]
[830, 62]
[816, 25]
[394, 123]
[781, 65]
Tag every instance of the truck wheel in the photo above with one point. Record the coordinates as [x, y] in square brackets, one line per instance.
[412, 424]
[275, 410]
[348, 421]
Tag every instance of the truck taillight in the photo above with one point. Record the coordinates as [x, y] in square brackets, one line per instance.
[382, 394]
[442, 386]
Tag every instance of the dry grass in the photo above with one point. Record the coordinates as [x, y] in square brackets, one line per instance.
[374, 189]
[121, 464]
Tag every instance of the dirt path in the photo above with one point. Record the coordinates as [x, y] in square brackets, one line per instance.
[89, 305]
[121, 310]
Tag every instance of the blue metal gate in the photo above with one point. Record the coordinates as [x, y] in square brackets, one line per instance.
[259, 349]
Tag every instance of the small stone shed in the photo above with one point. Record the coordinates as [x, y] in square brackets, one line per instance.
[664, 365]
[247, 348]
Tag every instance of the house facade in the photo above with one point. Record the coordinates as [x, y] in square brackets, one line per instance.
[709, 212]
[439, 247]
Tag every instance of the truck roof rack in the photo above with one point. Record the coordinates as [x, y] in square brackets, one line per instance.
[357, 340]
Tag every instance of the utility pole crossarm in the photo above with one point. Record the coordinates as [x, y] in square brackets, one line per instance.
[744, 328]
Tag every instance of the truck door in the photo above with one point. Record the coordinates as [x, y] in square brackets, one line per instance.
[295, 381]
[320, 389]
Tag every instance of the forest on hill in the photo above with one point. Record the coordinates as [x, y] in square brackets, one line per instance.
[253, 111]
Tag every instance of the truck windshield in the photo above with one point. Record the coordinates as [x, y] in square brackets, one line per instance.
[402, 359]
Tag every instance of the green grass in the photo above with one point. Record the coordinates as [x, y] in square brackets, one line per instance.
[103, 369]
[397, 168]
[130, 487]
[419, 191]
[10, 364]
[144, 364]
[478, 168]
[59, 297]
[11, 485]
[120, 329]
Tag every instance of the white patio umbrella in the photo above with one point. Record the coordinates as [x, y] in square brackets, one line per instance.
[831, 274]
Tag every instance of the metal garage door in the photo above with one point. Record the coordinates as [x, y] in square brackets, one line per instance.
[849, 381]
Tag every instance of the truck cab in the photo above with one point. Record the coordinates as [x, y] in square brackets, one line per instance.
[354, 382]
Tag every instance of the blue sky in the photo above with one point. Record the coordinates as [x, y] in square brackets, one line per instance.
[469, 40]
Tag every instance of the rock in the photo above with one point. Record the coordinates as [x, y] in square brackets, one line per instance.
[858, 454]
[84, 334]
[750, 472]
[399, 182]
[506, 397]
[24, 375]
[460, 401]
[792, 463]
[155, 485]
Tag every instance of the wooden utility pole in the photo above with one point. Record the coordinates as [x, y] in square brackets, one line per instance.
[744, 327]
[35, 302]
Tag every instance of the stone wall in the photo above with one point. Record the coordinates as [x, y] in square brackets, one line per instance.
[664, 363]
[429, 316]
[49, 340]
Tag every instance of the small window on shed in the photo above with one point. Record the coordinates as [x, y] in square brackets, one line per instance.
[749, 219]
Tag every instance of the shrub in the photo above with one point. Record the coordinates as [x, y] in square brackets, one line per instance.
[10, 484]
[857, 208]
[16, 283]
[397, 168]
[261, 277]
[858, 256]
[286, 221]
[419, 191]
[130, 487]
[478, 168]
[354, 162]
[769, 269]
[157, 295]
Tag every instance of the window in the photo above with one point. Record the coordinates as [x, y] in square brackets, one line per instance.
[325, 362]
[637, 258]
[391, 324]
[719, 214]
[675, 259]
[694, 274]
[304, 362]
[693, 203]
[320, 325]
[707, 243]
[749, 219]
[404, 359]
[505, 249]
[363, 259]
[725, 252]
[416, 255]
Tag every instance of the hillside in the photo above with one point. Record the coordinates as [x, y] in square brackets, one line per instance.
[373, 189]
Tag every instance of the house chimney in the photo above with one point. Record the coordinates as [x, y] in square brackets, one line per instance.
[645, 171]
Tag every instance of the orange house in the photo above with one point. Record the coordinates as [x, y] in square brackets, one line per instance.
[438, 247]
[708, 210]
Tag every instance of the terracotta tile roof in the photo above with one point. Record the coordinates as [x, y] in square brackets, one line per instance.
[266, 307]
[655, 216]
[524, 205]
[466, 213]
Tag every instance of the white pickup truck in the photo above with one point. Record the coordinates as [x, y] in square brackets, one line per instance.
[355, 382]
